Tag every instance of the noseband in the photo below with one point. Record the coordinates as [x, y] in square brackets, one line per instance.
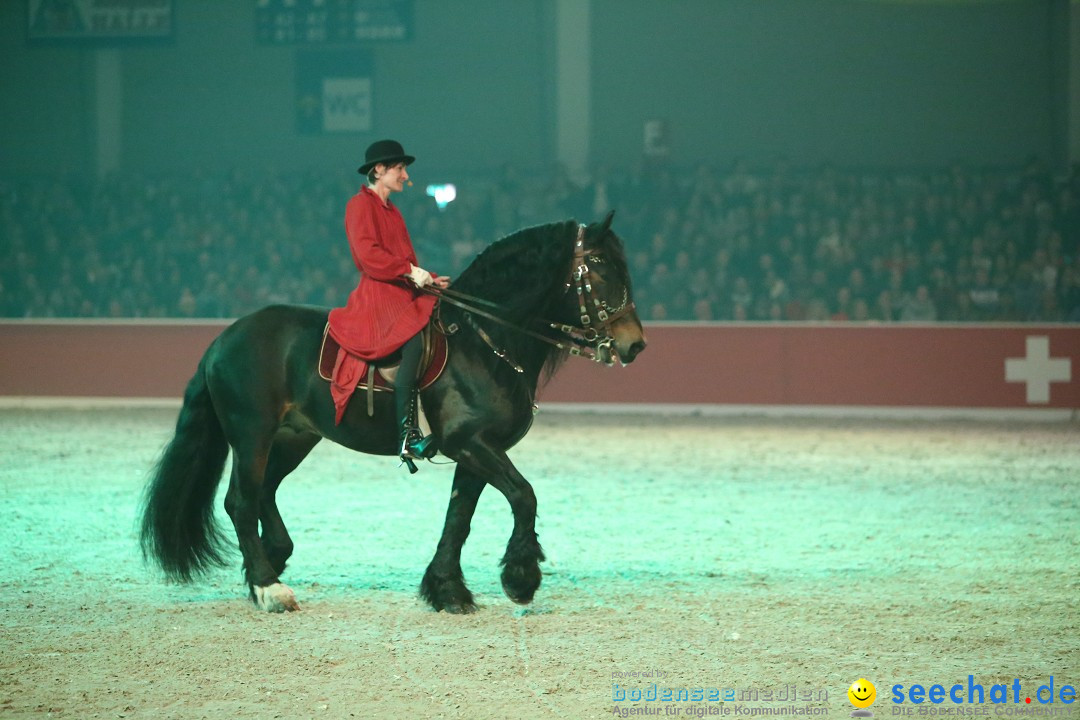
[586, 340]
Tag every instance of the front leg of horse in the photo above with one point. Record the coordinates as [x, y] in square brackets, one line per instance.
[521, 574]
[443, 586]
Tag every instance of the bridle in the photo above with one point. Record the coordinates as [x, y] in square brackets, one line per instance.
[587, 335]
[587, 340]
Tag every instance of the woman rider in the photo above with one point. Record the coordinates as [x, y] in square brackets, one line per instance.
[386, 311]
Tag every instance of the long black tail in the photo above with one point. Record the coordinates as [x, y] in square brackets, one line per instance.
[178, 528]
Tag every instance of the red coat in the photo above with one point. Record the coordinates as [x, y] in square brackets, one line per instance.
[385, 309]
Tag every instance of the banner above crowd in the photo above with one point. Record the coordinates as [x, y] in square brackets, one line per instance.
[99, 19]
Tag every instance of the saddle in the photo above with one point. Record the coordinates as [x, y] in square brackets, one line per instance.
[380, 374]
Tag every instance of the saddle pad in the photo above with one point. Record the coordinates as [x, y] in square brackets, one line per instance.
[432, 363]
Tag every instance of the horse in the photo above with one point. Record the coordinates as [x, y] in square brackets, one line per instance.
[536, 297]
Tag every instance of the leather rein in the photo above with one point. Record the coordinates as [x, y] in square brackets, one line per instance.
[586, 340]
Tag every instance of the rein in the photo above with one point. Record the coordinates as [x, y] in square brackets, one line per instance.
[586, 340]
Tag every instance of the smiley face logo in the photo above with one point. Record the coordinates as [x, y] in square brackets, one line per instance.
[862, 693]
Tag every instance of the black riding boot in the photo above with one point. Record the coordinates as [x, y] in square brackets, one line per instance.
[412, 443]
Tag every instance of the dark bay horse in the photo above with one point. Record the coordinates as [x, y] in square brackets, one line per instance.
[257, 390]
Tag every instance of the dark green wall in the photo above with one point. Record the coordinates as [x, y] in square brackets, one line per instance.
[46, 100]
[859, 82]
[473, 86]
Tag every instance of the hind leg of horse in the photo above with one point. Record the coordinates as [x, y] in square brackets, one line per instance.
[521, 574]
[288, 451]
[443, 586]
[243, 502]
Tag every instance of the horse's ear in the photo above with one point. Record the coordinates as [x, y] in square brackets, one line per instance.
[606, 225]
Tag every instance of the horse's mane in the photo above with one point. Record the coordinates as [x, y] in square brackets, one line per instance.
[525, 273]
[519, 271]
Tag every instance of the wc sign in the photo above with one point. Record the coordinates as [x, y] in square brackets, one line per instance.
[346, 104]
[334, 92]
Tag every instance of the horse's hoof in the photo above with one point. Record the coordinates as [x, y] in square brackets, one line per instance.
[520, 582]
[447, 593]
[459, 608]
[275, 598]
[456, 600]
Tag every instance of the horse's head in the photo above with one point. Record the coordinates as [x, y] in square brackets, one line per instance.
[604, 295]
[535, 278]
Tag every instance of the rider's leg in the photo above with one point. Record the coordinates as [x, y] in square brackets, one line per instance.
[412, 441]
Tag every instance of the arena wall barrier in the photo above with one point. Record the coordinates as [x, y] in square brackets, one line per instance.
[687, 366]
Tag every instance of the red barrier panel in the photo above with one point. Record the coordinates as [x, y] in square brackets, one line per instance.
[101, 359]
[976, 366]
[970, 366]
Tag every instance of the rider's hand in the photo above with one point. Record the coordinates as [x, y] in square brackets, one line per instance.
[419, 276]
[441, 281]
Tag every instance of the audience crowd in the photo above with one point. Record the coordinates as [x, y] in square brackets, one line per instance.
[732, 244]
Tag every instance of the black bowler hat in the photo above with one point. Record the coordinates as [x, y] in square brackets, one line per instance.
[387, 152]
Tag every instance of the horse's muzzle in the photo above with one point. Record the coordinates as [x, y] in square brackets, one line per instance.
[628, 338]
[632, 351]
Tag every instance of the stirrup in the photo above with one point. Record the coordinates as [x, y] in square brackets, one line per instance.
[415, 446]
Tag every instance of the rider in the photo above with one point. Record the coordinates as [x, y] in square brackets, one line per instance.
[386, 311]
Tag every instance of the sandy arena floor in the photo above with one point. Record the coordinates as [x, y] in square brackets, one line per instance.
[744, 554]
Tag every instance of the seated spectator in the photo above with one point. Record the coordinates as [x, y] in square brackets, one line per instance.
[703, 310]
[842, 309]
[984, 296]
[741, 295]
[731, 244]
[860, 310]
[817, 310]
[884, 310]
[918, 307]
